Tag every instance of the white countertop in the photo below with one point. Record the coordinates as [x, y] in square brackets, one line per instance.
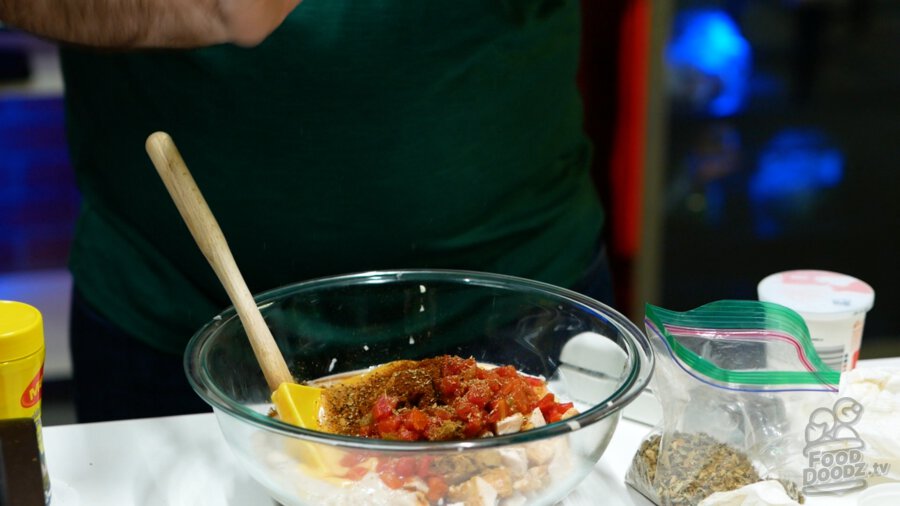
[184, 460]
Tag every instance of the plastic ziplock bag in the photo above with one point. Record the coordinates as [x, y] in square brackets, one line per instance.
[737, 381]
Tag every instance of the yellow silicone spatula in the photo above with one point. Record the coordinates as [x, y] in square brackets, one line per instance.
[296, 404]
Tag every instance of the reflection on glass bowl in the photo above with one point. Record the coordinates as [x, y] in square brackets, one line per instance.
[589, 354]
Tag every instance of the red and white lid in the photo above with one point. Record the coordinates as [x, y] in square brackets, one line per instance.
[817, 292]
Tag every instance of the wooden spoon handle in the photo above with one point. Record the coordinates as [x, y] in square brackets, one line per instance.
[205, 229]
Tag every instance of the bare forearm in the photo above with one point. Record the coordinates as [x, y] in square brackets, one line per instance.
[147, 23]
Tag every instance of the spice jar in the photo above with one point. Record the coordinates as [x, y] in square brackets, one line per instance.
[22, 371]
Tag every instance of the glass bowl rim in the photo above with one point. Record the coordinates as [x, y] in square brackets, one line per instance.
[639, 350]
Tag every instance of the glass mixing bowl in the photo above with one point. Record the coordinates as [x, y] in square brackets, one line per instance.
[588, 353]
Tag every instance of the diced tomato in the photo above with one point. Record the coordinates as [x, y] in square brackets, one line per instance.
[416, 420]
[356, 473]
[437, 488]
[521, 398]
[407, 435]
[391, 480]
[535, 382]
[564, 406]
[405, 466]
[474, 426]
[499, 411]
[546, 405]
[469, 369]
[506, 371]
[350, 459]
[547, 401]
[442, 414]
[423, 466]
[449, 368]
[448, 386]
[463, 408]
[388, 425]
[384, 407]
[555, 412]
[466, 396]
[479, 394]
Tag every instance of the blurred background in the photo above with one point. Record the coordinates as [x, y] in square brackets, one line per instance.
[781, 150]
[733, 139]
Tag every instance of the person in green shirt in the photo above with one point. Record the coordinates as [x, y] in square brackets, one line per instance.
[329, 138]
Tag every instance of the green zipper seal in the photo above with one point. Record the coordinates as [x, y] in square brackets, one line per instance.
[744, 315]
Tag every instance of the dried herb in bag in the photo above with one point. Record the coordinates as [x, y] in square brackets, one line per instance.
[735, 380]
[695, 466]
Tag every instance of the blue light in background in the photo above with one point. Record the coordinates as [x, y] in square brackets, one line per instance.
[793, 168]
[38, 196]
[711, 59]
[796, 160]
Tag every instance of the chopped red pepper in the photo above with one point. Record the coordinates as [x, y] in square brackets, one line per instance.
[461, 399]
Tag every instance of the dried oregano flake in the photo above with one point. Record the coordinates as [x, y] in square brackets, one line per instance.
[692, 467]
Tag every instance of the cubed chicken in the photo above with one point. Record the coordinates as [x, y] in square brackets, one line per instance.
[500, 479]
[511, 424]
[534, 480]
[534, 420]
[515, 460]
[473, 492]
[539, 453]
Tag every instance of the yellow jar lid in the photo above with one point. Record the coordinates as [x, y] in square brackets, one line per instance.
[21, 330]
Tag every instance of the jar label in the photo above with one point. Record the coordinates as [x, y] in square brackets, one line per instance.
[32, 394]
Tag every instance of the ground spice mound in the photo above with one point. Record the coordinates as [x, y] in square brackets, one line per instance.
[438, 399]
[693, 467]
[349, 403]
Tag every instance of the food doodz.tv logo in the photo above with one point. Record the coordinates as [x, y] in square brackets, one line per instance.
[835, 451]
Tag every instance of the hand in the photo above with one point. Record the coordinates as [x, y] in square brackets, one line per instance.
[249, 22]
[127, 24]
